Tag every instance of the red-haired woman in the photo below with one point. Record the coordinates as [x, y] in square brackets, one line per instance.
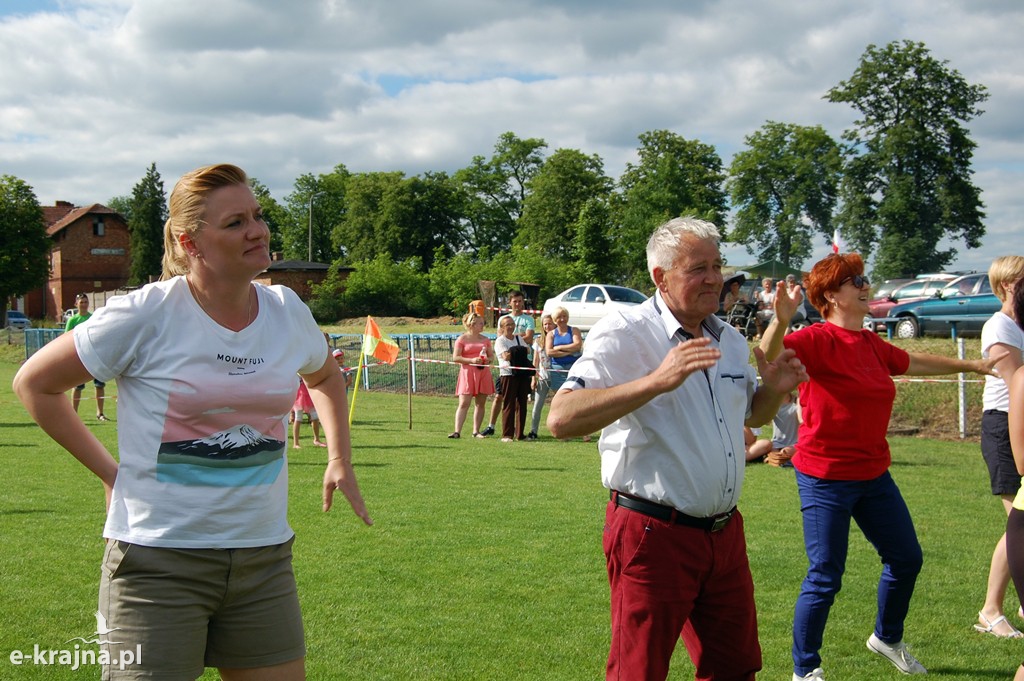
[842, 457]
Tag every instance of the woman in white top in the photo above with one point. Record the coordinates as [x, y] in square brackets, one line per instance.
[206, 364]
[1001, 334]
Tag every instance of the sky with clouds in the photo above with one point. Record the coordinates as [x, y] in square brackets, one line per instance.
[93, 91]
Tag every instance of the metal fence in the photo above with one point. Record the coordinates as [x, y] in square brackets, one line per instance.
[424, 366]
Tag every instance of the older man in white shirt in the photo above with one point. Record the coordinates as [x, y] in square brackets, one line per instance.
[671, 386]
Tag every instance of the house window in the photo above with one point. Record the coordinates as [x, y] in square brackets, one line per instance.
[98, 228]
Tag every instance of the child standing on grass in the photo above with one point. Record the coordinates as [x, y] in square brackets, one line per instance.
[514, 363]
[304, 404]
[474, 354]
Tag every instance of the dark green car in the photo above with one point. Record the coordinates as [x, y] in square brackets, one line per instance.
[967, 302]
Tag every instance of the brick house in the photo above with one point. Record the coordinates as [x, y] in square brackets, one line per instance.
[298, 275]
[90, 252]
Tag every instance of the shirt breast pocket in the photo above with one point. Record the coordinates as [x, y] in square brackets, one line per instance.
[732, 392]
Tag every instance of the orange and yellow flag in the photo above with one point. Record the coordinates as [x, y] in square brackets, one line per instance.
[377, 344]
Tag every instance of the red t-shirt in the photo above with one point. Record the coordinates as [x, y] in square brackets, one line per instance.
[847, 403]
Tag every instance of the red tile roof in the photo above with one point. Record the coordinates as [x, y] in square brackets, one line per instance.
[64, 214]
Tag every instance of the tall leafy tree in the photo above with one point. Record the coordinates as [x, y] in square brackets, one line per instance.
[24, 258]
[558, 192]
[592, 256]
[315, 208]
[674, 177]
[908, 180]
[122, 205]
[784, 188]
[401, 218]
[146, 227]
[495, 190]
[274, 214]
[365, 232]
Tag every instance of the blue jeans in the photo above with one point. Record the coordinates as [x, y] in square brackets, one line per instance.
[879, 510]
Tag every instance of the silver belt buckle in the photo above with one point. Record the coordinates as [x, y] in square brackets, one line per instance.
[721, 522]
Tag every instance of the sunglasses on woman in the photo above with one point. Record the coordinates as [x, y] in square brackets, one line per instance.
[858, 280]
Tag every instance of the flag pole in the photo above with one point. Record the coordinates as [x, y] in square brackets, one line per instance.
[355, 388]
[359, 373]
[408, 388]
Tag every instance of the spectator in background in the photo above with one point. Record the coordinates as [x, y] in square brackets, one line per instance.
[791, 285]
[524, 328]
[82, 303]
[780, 449]
[349, 374]
[542, 377]
[563, 345]
[734, 296]
[304, 405]
[764, 299]
[516, 373]
[1001, 334]
[474, 355]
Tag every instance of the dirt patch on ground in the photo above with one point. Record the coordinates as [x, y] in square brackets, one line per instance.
[400, 321]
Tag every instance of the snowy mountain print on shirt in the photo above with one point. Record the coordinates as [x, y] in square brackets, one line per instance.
[219, 446]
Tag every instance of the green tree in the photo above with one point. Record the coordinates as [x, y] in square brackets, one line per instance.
[383, 287]
[494, 191]
[560, 189]
[401, 218]
[674, 177]
[24, 259]
[274, 214]
[593, 258]
[315, 208]
[122, 205]
[784, 188]
[146, 227]
[908, 179]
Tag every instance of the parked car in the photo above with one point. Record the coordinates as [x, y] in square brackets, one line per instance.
[921, 288]
[18, 320]
[68, 314]
[888, 286]
[587, 303]
[968, 298]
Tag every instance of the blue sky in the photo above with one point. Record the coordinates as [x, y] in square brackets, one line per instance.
[103, 88]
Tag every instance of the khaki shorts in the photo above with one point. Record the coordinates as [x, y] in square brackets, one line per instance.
[186, 609]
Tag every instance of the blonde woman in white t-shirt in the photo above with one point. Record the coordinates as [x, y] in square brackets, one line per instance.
[1001, 334]
[206, 363]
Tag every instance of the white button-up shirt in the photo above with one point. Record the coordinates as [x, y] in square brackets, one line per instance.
[684, 448]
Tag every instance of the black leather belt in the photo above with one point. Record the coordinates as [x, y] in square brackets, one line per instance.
[669, 514]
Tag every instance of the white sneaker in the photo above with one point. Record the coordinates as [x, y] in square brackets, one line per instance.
[897, 654]
[815, 675]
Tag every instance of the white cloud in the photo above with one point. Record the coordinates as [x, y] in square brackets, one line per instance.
[102, 88]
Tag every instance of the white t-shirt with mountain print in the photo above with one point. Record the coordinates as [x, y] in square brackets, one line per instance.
[202, 414]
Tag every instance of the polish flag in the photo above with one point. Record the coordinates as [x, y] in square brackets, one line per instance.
[835, 241]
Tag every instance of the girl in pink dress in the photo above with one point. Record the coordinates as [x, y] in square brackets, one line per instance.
[474, 354]
[304, 403]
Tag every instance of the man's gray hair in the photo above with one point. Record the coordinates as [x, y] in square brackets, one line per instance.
[663, 245]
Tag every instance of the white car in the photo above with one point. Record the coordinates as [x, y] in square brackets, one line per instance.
[587, 303]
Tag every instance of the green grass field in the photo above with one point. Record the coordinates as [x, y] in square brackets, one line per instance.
[485, 560]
